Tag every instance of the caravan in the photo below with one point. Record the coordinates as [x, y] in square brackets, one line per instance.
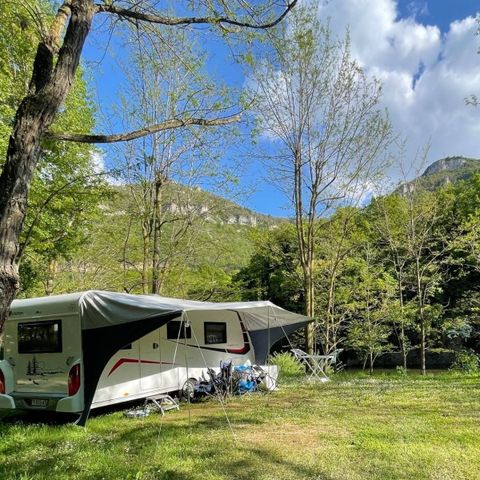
[68, 353]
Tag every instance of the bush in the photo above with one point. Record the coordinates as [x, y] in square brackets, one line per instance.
[465, 361]
[289, 366]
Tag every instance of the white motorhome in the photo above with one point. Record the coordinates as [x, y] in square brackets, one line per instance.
[66, 353]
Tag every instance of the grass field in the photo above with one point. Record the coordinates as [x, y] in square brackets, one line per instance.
[354, 427]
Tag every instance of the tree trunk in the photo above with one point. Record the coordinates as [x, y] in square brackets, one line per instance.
[404, 349]
[305, 245]
[365, 362]
[125, 248]
[309, 310]
[330, 340]
[145, 260]
[421, 314]
[157, 227]
[403, 345]
[51, 273]
[370, 359]
[423, 343]
[50, 84]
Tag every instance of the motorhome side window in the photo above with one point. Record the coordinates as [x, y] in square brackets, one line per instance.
[177, 330]
[215, 332]
[40, 337]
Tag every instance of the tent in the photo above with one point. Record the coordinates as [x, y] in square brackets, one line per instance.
[111, 320]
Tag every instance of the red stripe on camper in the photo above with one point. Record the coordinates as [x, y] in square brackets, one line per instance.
[121, 361]
[244, 349]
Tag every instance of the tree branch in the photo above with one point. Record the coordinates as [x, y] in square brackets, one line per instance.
[175, 21]
[126, 137]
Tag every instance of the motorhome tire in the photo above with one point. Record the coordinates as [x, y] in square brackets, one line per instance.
[188, 390]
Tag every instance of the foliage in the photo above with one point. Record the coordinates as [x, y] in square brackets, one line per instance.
[288, 365]
[400, 273]
[65, 190]
[273, 271]
[385, 274]
[466, 361]
[19, 36]
[373, 288]
[202, 268]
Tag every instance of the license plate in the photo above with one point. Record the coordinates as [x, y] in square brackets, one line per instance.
[39, 402]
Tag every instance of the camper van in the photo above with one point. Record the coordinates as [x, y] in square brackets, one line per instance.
[70, 352]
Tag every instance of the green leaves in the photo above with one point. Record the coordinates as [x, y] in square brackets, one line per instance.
[66, 189]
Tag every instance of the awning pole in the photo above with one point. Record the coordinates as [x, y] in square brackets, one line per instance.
[184, 325]
[268, 334]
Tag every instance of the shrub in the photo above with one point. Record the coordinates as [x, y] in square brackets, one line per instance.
[289, 366]
[465, 361]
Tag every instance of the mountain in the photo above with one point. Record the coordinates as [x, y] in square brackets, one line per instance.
[180, 200]
[442, 172]
[203, 242]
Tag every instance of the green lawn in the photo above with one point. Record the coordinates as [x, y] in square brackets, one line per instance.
[354, 427]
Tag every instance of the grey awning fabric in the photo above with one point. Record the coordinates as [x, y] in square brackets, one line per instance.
[100, 309]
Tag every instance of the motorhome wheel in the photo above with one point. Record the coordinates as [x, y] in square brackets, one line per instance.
[188, 389]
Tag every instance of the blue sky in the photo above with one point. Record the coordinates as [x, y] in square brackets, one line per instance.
[423, 51]
[438, 12]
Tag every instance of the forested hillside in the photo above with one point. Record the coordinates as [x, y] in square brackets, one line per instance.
[204, 241]
[400, 275]
[401, 272]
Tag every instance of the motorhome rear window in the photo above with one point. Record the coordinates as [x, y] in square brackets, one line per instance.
[40, 337]
[176, 330]
[215, 332]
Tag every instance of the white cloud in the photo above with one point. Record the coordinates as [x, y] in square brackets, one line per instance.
[426, 74]
[98, 160]
[97, 157]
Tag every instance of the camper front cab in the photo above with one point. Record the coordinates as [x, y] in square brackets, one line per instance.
[46, 340]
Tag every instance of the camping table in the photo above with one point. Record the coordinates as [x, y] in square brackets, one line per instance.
[315, 363]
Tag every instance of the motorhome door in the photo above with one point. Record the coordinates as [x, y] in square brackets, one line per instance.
[150, 362]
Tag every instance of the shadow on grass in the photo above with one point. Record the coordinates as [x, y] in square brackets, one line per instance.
[43, 417]
[150, 450]
[28, 417]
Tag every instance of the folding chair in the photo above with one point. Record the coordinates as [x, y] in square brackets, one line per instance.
[315, 363]
[331, 360]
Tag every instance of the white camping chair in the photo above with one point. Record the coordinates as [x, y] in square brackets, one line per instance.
[335, 362]
[315, 363]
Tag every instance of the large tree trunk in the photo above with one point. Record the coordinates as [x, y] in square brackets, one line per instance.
[305, 245]
[49, 86]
